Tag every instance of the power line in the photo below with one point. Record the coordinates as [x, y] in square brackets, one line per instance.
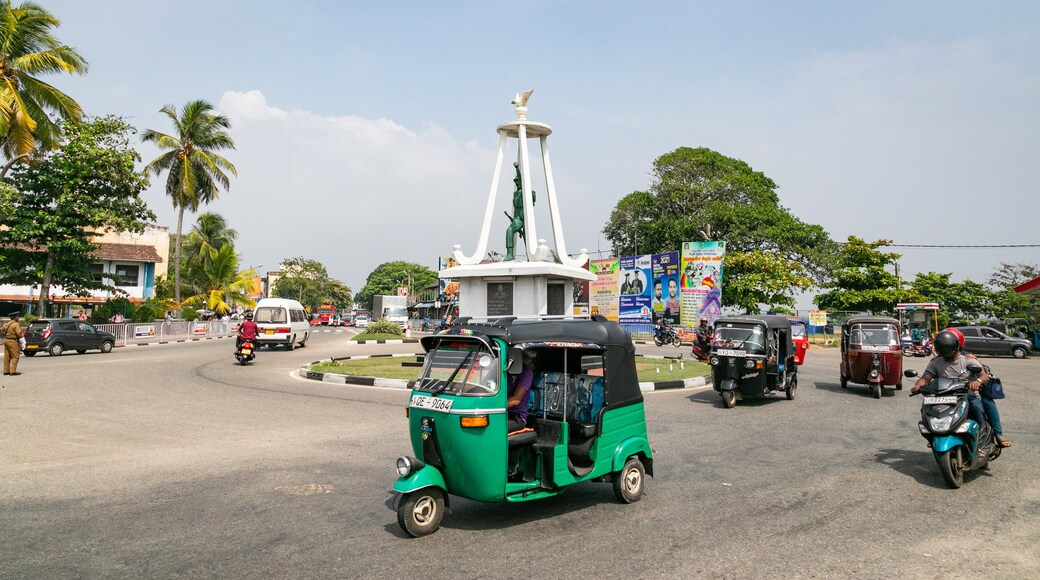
[960, 246]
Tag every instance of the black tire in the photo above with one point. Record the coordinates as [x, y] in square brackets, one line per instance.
[792, 388]
[303, 342]
[292, 343]
[1019, 352]
[950, 467]
[899, 386]
[908, 351]
[420, 512]
[729, 399]
[81, 350]
[630, 481]
[676, 342]
[56, 349]
[29, 352]
[844, 382]
[243, 360]
[876, 389]
[106, 347]
[658, 341]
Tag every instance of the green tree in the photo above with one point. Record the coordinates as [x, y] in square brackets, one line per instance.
[209, 234]
[61, 199]
[862, 282]
[308, 281]
[701, 194]
[29, 49]
[389, 276]
[968, 300]
[1006, 302]
[220, 286]
[196, 170]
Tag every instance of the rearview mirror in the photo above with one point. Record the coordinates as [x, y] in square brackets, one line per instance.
[975, 368]
[516, 361]
[909, 374]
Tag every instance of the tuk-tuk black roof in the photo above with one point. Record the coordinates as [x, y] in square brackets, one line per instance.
[622, 385]
[767, 320]
[867, 319]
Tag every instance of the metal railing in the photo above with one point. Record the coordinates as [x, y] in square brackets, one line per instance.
[162, 331]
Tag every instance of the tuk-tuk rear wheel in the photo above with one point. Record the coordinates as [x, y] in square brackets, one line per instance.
[729, 399]
[420, 512]
[629, 482]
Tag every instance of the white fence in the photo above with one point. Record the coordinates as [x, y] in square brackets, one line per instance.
[161, 331]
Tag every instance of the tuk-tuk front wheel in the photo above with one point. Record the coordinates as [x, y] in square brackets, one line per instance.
[629, 482]
[729, 399]
[877, 390]
[420, 512]
[792, 387]
[844, 382]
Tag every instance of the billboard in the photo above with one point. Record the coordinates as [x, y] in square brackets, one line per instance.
[603, 291]
[634, 290]
[700, 281]
[581, 295]
[665, 302]
[447, 288]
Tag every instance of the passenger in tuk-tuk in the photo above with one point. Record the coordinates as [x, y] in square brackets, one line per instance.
[519, 393]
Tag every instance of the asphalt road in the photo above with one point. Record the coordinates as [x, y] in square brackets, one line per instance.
[171, 461]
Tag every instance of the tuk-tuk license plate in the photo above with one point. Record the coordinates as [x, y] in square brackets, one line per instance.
[940, 400]
[432, 403]
[730, 352]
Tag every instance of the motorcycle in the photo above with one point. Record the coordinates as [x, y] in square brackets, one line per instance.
[245, 352]
[666, 335]
[923, 348]
[959, 443]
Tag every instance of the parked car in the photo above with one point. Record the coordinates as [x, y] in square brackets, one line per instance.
[986, 340]
[361, 321]
[57, 336]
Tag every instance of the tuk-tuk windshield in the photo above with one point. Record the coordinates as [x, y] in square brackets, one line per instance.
[874, 335]
[459, 368]
[747, 338]
[797, 330]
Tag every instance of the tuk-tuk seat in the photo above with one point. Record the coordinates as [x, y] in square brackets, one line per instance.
[524, 436]
[582, 430]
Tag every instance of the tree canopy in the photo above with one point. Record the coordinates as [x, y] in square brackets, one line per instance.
[62, 198]
[389, 276]
[700, 194]
[308, 281]
[862, 282]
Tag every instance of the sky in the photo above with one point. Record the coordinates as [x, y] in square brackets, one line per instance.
[365, 131]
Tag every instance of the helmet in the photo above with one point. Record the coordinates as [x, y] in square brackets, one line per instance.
[957, 333]
[249, 315]
[946, 343]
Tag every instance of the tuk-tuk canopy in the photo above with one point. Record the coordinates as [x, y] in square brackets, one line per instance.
[867, 319]
[622, 384]
[767, 321]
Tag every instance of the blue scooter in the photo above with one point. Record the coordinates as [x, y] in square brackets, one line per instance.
[959, 443]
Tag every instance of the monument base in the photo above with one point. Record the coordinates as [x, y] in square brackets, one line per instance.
[522, 289]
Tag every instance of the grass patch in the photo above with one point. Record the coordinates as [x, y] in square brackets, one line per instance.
[382, 367]
[656, 370]
[821, 340]
[390, 368]
[377, 336]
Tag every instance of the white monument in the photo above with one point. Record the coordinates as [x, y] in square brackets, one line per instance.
[513, 287]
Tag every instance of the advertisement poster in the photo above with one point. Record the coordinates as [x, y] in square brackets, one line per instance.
[447, 287]
[147, 331]
[700, 281]
[603, 291]
[634, 290]
[665, 300]
[581, 295]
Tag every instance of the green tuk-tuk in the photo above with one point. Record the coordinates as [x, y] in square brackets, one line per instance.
[585, 419]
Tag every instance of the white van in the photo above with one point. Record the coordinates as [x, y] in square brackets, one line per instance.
[281, 321]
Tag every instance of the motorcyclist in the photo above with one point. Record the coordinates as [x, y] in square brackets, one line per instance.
[703, 335]
[246, 331]
[988, 404]
[951, 363]
[663, 330]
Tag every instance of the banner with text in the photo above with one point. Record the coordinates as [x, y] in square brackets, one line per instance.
[634, 290]
[603, 291]
[581, 295]
[665, 301]
[701, 281]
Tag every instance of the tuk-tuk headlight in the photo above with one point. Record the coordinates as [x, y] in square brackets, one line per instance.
[714, 361]
[873, 373]
[404, 466]
[749, 363]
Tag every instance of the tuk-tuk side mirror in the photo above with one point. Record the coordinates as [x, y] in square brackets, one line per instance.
[909, 374]
[516, 361]
[975, 368]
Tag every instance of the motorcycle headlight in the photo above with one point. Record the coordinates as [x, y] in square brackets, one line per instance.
[940, 423]
[714, 361]
[749, 363]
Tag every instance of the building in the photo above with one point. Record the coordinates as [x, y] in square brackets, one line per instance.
[130, 262]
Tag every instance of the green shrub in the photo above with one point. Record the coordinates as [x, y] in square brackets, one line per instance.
[149, 310]
[103, 314]
[384, 327]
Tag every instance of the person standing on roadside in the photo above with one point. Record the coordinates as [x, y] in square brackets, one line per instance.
[11, 333]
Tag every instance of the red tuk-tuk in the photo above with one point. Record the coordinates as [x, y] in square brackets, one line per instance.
[871, 353]
[800, 337]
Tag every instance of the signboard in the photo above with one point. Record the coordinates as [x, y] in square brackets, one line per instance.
[634, 290]
[199, 328]
[700, 281]
[146, 331]
[817, 318]
[581, 295]
[447, 288]
[603, 291]
[664, 302]
[500, 298]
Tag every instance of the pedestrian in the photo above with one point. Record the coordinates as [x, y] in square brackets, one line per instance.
[83, 315]
[12, 334]
[169, 318]
[117, 318]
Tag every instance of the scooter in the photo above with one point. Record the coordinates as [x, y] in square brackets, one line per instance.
[244, 354]
[666, 335]
[923, 348]
[700, 350]
[960, 444]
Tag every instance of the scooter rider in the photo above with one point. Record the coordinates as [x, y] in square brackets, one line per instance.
[953, 364]
[246, 331]
[988, 404]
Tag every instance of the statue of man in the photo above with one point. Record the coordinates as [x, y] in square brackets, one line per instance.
[516, 221]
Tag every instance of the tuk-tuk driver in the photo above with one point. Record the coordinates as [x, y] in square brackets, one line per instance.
[519, 393]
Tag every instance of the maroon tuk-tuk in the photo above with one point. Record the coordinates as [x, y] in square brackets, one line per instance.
[871, 353]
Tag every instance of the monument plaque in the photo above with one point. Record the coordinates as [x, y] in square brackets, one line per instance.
[500, 299]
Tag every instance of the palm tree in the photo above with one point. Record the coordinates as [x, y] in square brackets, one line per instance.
[27, 49]
[209, 233]
[195, 169]
[219, 285]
